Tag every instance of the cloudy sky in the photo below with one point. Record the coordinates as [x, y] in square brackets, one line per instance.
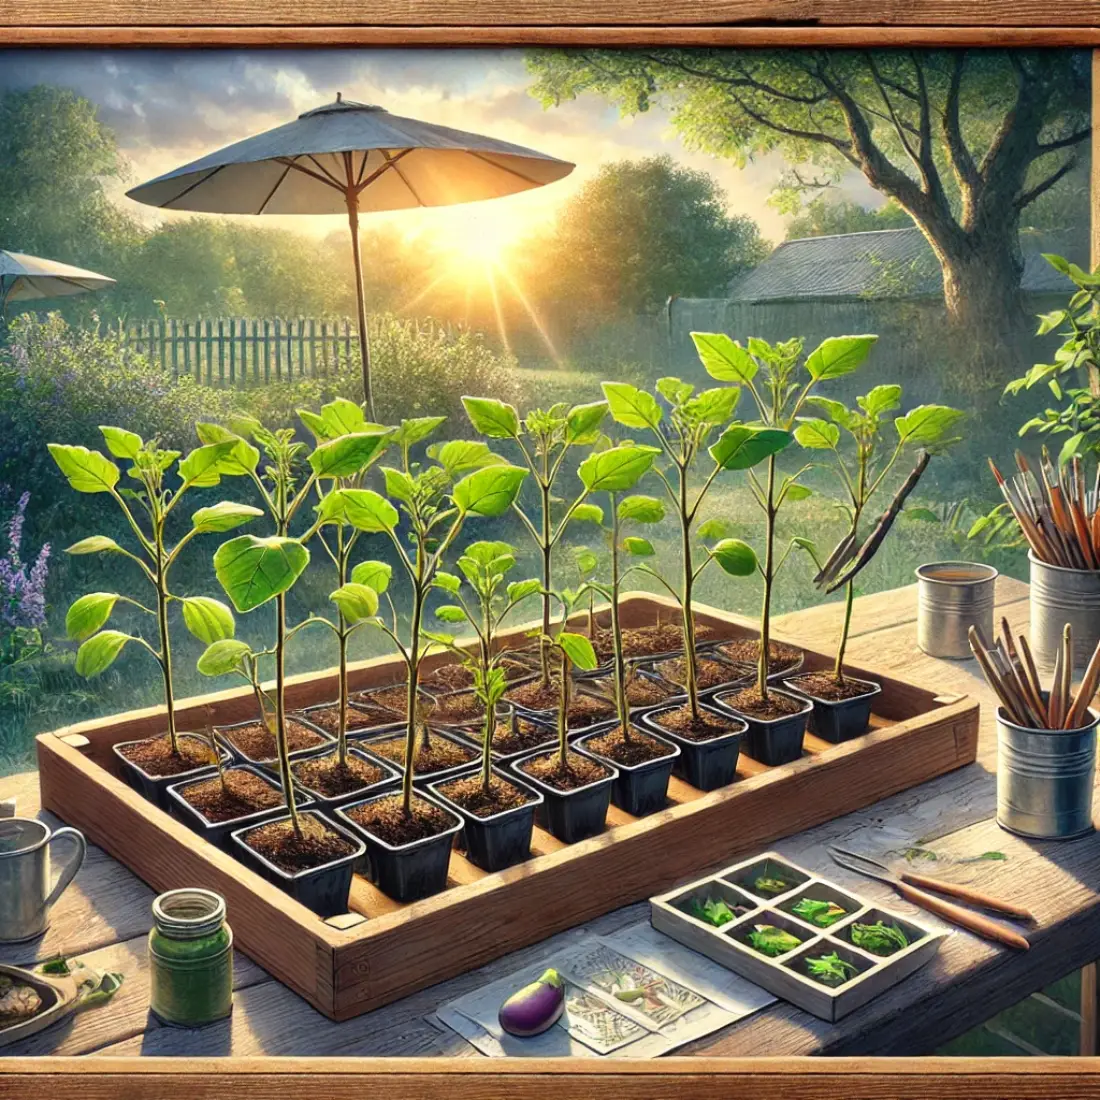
[170, 107]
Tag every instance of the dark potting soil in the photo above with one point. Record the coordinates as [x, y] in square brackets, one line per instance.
[644, 641]
[585, 709]
[448, 678]
[328, 777]
[155, 756]
[394, 698]
[387, 820]
[640, 748]
[438, 755]
[603, 642]
[470, 794]
[317, 845]
[704, 728]
[578, 772]
[641, 692]
[462, 707]
[826, 686]
[536, 695]
[526, 735]
[328, 718]
[747, 651]
[242, 793]
[749, 701]
[256, 742]
[708, 672]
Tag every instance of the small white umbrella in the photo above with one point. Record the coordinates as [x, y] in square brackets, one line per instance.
[302, 167]
[354, 157]
[26, 278]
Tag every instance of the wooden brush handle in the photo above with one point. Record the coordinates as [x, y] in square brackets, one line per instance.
[975, 897]
[964, 918]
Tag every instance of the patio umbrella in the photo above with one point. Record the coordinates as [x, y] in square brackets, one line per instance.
[25, 278]
[354, 157]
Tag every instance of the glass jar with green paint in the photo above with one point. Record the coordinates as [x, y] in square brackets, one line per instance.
[191, 957]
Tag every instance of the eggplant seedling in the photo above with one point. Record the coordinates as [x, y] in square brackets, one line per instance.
[879, 938]
[772, 941]
[148, 510]
[819, 913]
[830, 969]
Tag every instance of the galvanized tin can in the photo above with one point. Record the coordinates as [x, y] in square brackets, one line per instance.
[952, 596]
[1059, 596]
[1045, 778]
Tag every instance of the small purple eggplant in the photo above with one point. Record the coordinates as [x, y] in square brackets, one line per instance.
[535, 1007]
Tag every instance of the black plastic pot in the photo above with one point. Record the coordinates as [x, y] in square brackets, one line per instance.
[441, 697]
[750, 669]
[272, 765]
[638, 789]
[155, 787]
[323, 889]
[384, 733]
[772, 741]
[493, 843]
[361, 716]
[840, 720]
[405, 872]
[218, 832]
[571, 815]
[705, 765]
[391, 778]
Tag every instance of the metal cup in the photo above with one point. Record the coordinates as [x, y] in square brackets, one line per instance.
[953, 596]
[25, 891]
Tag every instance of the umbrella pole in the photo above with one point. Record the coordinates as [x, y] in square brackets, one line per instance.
[364, 335]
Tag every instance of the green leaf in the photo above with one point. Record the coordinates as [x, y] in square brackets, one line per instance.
[836, 411]
[713, 407]
[337, 418]
[926, 515]
[740, 446]
[617, 469]
[203, 466]
[797, 492]
[88, 614]
[838, 356]
[347, 455]
[588, 513]
[241, 460]
[491, 553]
[584, 421]
[95, 544]
[1071, 447]
[631, 406]
[450, 613]
[674, 390]
[363, 509]
[374, 574]
[355, 602]
[223, 516]
[736, 558]
[254, 570]
[398, 484]
[225, 656]
[86, 471]
[121, 443]
[816, 434]
[723, 358]
[1048, 322]
[578, 649]
[641, 509]
[927, 423]
[414, 430]
[522, 590]
[492, 418]
[98, 653]
[716, 528]
[208, 619]
[585, 561]
[639, 547]
[448, 582]
[882, 399]
[488, 492]
[460, 456]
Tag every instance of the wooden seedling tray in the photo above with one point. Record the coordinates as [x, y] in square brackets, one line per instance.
[381, 951]
[785, 976]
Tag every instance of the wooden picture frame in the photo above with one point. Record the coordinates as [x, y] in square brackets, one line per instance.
[610, 23]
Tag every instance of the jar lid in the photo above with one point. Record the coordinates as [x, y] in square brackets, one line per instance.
[189, 913]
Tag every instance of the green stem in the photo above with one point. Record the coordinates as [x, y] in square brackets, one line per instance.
[769, 576]
[838, 668]
[616, 628]
[545, 546]
[414, 681]
[485, 649]
[342, 636]
[281, 745]
[166, 652]
[563, 713]
[692, 684]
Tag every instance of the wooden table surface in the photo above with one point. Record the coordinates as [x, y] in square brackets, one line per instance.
[104, 917]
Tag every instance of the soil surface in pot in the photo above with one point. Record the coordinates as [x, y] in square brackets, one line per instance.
[747, 651]
[644, 641]
[640, 748]
[242, 793]
[394, 697]
[455, 677]
[579, 771]
[642, 692]
[155, 756]
[708, 672]
[704, 728]
[387, 820]
[256, 742]
[525, 735]
[435, 756]
[749, 701]
[317, 845]
[328, 718]
[826, 686]
[463, 707]
[584, 709]
[328, 777]
[470, 794]
[535, 695]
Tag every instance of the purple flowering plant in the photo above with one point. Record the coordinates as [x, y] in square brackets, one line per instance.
[22, 591]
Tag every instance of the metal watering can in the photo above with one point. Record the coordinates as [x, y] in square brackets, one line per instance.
[25, 891]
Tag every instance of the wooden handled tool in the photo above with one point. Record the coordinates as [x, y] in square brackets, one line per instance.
[964, 918]
[965, 893]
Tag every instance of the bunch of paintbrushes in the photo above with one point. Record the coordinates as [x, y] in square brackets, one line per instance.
[1010, 670]
[1059, 518]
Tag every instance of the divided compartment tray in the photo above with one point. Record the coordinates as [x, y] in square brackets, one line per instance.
[786, 976]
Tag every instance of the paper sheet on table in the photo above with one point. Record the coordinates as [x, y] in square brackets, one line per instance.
[596, 1024]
